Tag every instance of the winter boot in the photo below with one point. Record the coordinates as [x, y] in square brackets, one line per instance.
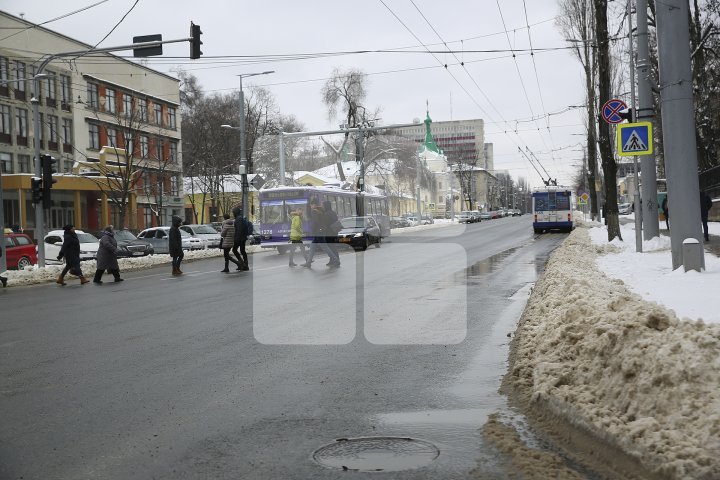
[61, 280]
[98, 277]
[225, 270]
[83, 280]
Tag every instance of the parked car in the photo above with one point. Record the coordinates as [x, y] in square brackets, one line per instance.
[255, 238]
[89, 245]
[160, 239]
[476, 216]
[359, 232]
[427, 220]
[399, 222]
[464, 217]
[20, 251]
[129, 245]
[625, 208]
[204, 232]
[515, 212]
[485, 216]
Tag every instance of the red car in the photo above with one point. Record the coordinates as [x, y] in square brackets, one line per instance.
[20, 251]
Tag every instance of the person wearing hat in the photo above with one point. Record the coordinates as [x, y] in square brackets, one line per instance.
[71, 251]
[107, 256]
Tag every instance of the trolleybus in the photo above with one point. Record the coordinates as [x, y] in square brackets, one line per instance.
[277, 203]
[552, 209]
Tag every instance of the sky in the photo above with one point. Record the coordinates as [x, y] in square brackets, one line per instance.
[523, 99]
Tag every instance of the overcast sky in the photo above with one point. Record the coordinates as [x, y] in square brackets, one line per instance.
[248, 37]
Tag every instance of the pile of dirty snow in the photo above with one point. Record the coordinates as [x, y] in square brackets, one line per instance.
[622, 368]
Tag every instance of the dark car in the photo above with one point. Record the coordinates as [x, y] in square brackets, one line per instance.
[255, 238]
[359, 232]
[399, 222]
[131, 246]
[20, 251]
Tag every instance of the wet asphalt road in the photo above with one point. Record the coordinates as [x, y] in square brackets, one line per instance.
[246, 375]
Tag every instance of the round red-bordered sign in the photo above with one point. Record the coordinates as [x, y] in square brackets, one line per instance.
[611, 110]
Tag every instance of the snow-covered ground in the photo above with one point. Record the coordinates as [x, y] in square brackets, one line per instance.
[618, 345]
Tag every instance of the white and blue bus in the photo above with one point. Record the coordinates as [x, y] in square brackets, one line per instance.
[552, 209]
[277, 203]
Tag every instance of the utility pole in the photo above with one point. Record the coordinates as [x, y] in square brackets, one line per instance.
[636, 202]
[645, 113]
[678, 121]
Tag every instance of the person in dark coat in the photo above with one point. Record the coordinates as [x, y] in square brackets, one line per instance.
[705, 206]
[319, 230]
[227, 235]
[666, 212]
[240, 239]
[329, 219]
[107, 256]
[71, 251]
[175, 245]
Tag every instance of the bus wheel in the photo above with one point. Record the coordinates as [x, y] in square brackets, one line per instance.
[282, 250]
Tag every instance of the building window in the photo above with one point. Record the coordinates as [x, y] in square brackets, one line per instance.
[173, 152]
[5, 126]
[94, 134]
[174, 186]
[4, 76]
[92, 95]
[53, 131]
[172, 120]
[51, 99]
[127, 104]
[143, 146]
[6, 162]
[112, 137]
[67, 131]
[24, 163]
[142, 103]
[159, 149]
[65, 91]
[110, 100]
[20, 75]
[158, 114]
[21, 126]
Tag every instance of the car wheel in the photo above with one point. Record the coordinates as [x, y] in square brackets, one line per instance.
[366, 243]
[377, 242]
[23, 262]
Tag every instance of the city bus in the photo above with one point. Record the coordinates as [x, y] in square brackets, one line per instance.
[552, 209]
[277, 203]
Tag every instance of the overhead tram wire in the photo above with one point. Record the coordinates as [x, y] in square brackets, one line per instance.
[473, 80]
[520, 77]
[65, 15]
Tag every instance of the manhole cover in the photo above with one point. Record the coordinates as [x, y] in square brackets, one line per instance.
[376, 454]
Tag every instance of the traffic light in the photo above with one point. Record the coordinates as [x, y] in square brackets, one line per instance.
[626, 114]
[37, 194]
[195, 42]
[47, 162]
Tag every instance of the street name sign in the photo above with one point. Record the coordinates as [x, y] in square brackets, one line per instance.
[611, 110]
[634, 139]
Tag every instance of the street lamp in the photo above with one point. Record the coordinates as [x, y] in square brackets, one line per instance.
[243, 158]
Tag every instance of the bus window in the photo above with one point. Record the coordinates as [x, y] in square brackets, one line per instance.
[272, 211]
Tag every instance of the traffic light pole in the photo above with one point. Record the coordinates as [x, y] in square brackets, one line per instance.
[39, 211]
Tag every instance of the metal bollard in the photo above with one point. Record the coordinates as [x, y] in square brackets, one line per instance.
[693, 255]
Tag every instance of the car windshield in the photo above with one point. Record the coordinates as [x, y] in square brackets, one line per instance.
[355, 222]
[204, 229]
[124, 235]
[87, 238]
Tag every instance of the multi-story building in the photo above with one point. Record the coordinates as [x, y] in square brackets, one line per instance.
[461, 141]
[113, 125]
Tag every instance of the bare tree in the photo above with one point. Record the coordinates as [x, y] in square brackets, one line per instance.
[577, 24]
[606, 154]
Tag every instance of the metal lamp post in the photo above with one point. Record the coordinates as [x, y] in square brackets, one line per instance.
[243, 157]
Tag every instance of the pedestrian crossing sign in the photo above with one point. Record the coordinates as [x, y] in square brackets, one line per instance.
[634, 139]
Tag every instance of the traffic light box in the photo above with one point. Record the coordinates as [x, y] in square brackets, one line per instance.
[48, 168]
[195, 42]
[37, 193]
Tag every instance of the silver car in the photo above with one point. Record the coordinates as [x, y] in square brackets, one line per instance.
[206, 233]
[159, 237]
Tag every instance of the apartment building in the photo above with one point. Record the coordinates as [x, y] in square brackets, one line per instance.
[102, 117]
